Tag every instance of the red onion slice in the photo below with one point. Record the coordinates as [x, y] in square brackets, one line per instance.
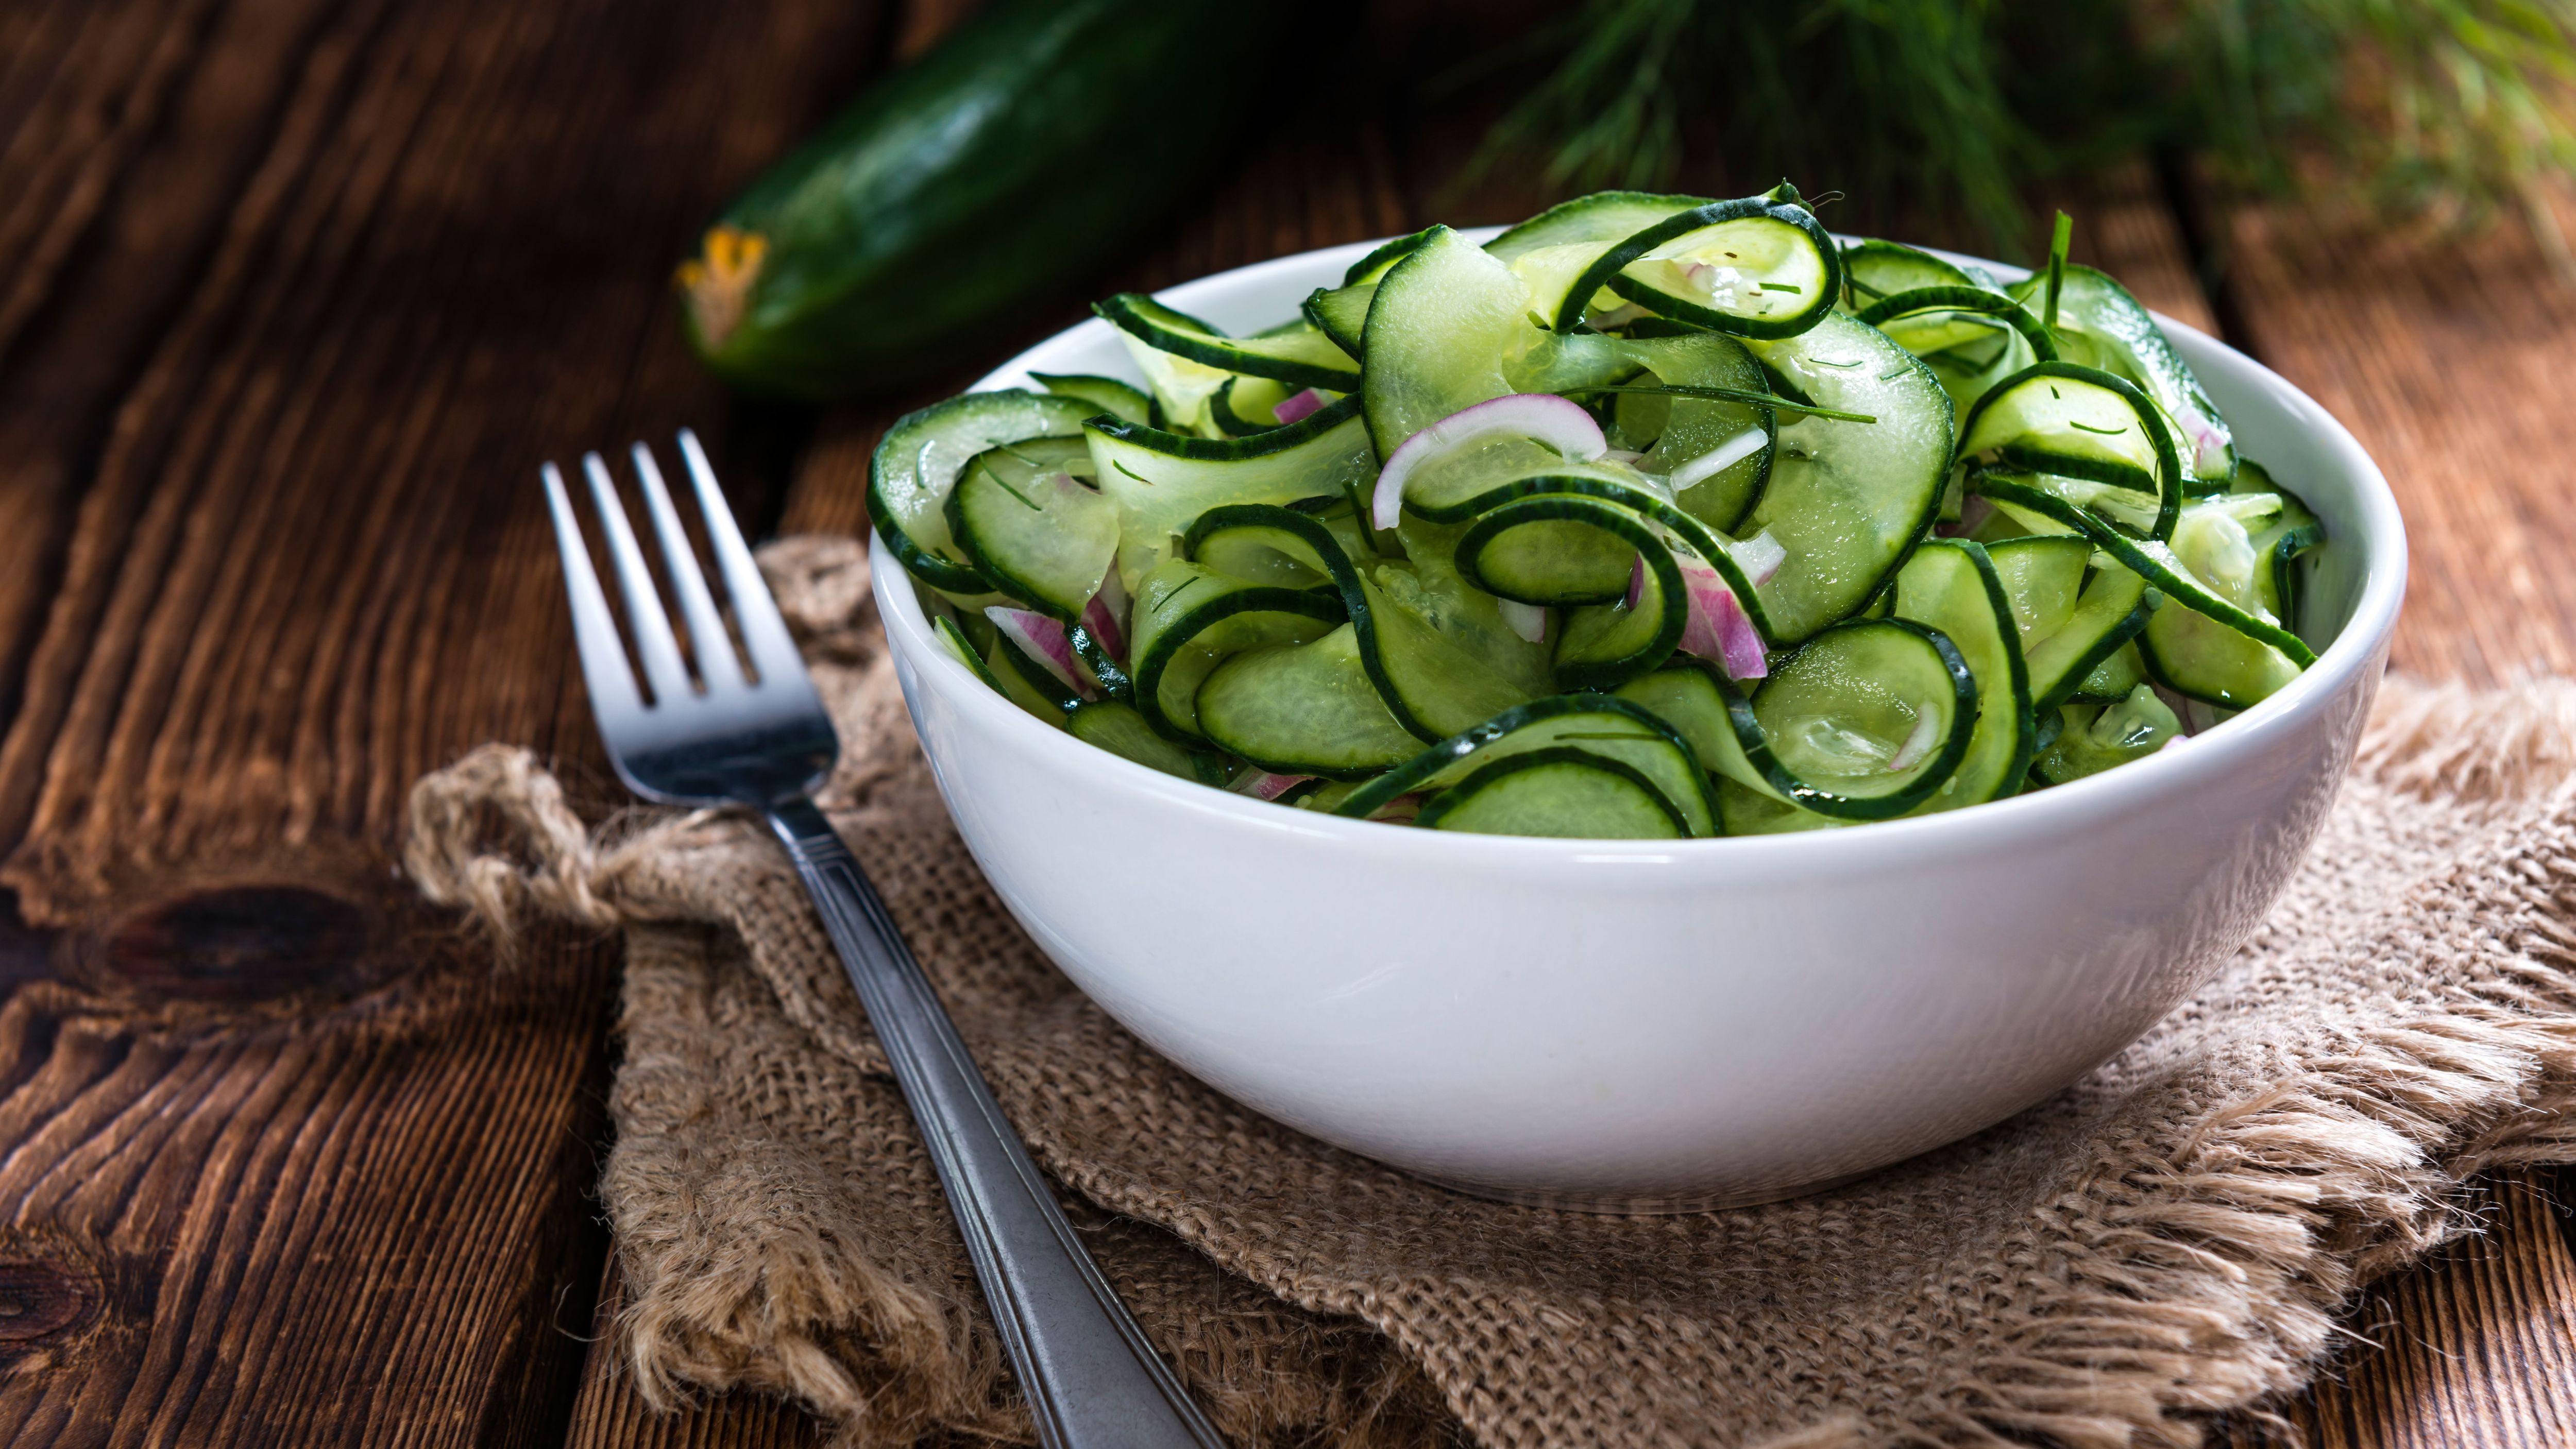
[1263, 785]
[1974, 510]
[1540, 417]
[1717, 627]
[1044, 640]
[1530, 620]
[1101, 616]
[1298, 406]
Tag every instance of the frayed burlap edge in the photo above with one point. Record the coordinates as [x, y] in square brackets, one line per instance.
[2144, 1297]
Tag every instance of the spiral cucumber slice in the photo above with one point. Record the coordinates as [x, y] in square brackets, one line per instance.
[1601, 725]
[917, 464]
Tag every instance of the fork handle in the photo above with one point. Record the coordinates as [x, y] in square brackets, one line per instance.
[1090, 1377]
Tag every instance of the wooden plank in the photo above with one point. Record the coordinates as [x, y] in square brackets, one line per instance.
[2473, 1346]
[2450, 364]
[612, 1414]
[280, 1161]
[2447, 361]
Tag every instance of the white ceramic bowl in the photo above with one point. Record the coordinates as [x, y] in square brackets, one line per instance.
[1661, 1025]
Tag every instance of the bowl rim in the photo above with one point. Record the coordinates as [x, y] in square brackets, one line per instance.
[2211, 757]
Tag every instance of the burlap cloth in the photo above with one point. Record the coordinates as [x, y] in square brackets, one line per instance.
[2166, 1239]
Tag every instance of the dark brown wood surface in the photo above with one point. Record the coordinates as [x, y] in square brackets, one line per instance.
[293, 296]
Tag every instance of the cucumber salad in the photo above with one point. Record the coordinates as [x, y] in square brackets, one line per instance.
[1654, 516]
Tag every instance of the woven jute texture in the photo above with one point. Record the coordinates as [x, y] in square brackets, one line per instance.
[2168, 1238]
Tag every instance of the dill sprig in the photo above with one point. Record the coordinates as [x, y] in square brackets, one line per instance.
[2452, 106]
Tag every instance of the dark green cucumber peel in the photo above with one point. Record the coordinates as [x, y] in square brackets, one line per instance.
[896, 237]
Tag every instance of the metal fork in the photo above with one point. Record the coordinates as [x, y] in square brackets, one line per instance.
[726, 739]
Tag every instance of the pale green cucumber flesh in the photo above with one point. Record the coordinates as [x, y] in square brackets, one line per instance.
[1950, 585]
[1027, 522]
[1848, 500]
[917, 464]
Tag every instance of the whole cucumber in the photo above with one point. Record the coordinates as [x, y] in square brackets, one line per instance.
[1001, 166]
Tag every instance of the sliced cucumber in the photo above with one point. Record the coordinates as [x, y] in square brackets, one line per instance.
[2042, 577]
[1971, 337]
[1867, 721]
[1311, 709]
[1848, 500]
[1705, 447]
[1950, 585]
[1026, 521]
[2094, 737]
[917, 463]
[2100, 323]
[1119, 729]
[1426, 584]
[1108, 394]
[2074, 618]
[1562, 254]
[1242, 406]
[1443, 322]
[1603, 645]
[1759, 267]
[1190, 619]
[1432, 684]
[1299, 355]
[1873, 270]
[2086, 656]
[2082, 423]
[2118, 674]
[2210, 657]
[1162, 482]
[2153, 561]
[1597, 724]
[1561, 792]
[1026, 682]
[1341, 313]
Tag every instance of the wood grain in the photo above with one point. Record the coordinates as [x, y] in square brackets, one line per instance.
[2446, 357]
[2473, 1346]
[2449, 363]
[296, 295]
[296, 291]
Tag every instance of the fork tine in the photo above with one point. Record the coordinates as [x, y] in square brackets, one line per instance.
[764, 633]
[654, 642]
[716, 662]
[594, 629]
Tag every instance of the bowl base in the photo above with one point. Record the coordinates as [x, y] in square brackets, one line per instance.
[1642, 1207]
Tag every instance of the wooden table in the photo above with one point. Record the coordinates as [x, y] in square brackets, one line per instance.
[295, 294]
